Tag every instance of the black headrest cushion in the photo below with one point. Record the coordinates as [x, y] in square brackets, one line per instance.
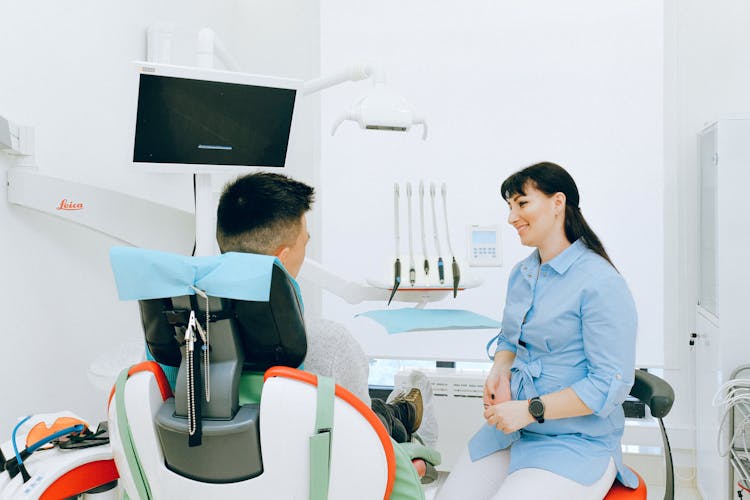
[271, 333]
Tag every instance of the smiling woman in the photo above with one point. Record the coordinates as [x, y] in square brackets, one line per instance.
[564, 361]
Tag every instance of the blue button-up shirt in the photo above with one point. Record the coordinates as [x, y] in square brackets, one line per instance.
[571, 323]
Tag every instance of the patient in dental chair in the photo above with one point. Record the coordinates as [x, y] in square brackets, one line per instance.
[264, 213]
[332, 351]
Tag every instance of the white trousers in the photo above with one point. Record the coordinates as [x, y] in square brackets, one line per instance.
[488, 479]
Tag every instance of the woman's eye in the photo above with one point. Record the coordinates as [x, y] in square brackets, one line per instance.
[521, 203]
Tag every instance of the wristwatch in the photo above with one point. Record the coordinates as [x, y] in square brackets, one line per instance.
[536, 409]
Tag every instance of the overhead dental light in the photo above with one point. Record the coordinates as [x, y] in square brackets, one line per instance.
[382, 109]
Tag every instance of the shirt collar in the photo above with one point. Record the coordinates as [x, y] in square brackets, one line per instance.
[565, 259]
[532, 260]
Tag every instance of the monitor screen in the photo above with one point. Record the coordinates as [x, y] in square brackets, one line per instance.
[192, 117]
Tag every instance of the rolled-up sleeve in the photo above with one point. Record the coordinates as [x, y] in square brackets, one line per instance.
[507, 339]
[609, 325]
[503, 344]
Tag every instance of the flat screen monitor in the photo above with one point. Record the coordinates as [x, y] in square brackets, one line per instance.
[200, 120]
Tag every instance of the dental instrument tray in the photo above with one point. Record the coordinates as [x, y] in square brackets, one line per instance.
[432, 282]
[424, 289]
[465, 285]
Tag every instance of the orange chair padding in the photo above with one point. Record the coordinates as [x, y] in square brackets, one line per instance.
[620, 492]
[82, 479]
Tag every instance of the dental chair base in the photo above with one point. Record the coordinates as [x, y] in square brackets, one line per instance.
[362, 460]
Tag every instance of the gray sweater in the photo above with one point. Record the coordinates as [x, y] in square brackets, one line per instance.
[332, 351]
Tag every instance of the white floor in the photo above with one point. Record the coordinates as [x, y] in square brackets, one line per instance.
[655, 492]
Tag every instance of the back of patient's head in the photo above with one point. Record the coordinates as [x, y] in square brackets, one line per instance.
[260, 212]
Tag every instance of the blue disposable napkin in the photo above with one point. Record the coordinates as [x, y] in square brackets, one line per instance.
[149, 274]
[412, 319]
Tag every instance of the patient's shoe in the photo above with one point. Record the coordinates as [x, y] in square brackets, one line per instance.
[428, 428]
[409, 408]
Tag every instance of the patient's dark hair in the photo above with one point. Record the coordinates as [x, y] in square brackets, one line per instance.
[260, 212]
[550, 178]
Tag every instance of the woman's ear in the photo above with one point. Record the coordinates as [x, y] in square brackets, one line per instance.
[560, 200]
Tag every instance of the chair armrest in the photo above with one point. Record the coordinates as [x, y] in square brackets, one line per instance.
[655, 392]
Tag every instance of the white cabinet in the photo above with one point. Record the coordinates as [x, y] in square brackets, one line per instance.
[723, 309]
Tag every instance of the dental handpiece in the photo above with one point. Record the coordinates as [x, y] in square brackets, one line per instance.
[397, 264]
[454, 264]
[441, 271]
[412, 271]
[422, 227]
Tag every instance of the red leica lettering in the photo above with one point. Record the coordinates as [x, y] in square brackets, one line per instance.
[69, 205]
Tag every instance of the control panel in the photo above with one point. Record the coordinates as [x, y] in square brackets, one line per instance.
[484, 246]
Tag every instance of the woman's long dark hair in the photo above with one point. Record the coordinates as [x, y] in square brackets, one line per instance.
[550, 178]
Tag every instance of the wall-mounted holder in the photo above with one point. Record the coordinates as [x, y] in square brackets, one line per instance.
[17, 141]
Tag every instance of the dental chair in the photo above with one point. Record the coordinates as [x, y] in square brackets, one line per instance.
[304, 437]
[658, 395]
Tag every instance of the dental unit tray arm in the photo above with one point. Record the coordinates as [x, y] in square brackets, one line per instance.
[355, 293]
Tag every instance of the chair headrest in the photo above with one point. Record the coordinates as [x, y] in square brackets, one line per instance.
[251, 295]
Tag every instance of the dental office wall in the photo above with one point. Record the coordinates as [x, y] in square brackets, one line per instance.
[614, 91]
[706, 77]
[502, 85]
[65, 69]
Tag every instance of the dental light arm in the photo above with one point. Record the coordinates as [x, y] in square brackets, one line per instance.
[382, 109]
[210, 45]
[352, 73]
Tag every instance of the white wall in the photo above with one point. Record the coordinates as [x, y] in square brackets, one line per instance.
[66, 66]
[503, 85]
[706, 76]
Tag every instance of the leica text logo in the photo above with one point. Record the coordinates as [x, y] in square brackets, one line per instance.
[69, 205]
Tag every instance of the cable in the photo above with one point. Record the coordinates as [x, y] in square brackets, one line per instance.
[19, 460]
[424, 230]
[31, 449]
[734, 396]
[731, 387]
[68, 430]
[441, 269]
[195, 208]
[412, 270]
[397, 264]
[454, 263]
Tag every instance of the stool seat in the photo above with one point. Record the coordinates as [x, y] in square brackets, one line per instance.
[620, 492]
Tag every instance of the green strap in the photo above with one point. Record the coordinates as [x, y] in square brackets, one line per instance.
[416, 450]
[123, 427]
[320, 443]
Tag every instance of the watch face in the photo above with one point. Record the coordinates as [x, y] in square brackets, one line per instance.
[536, 408]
